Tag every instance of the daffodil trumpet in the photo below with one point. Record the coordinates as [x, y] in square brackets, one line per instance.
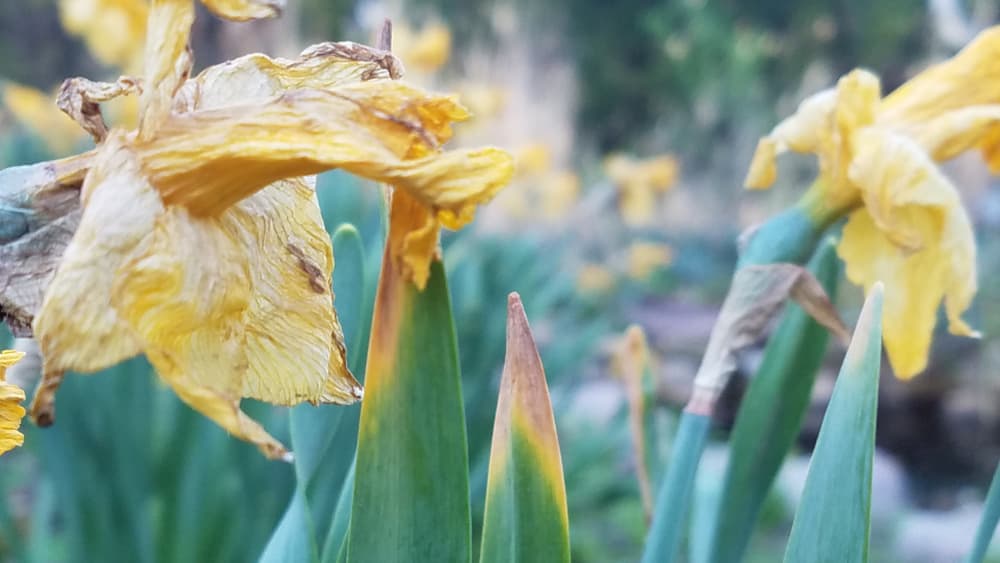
[196, 239]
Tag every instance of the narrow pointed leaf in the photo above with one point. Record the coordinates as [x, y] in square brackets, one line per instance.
[833, 520]
[411, 491]
[988, 522]
[333, 546]
[526, 518]
[293, 539]
[770, 416]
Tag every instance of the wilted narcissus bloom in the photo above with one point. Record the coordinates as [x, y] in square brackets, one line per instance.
[638, 183]
[11, 411]
[877, 156]
[201, 242]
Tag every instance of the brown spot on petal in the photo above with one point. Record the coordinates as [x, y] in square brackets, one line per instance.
[317, 281]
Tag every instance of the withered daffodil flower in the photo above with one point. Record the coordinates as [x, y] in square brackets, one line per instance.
[200, 242]
[877, 157]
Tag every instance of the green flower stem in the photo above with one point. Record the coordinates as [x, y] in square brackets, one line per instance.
[675, 491]
[988, 522]
[789, 237]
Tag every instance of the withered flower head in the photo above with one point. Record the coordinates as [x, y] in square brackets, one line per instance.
[200, 242]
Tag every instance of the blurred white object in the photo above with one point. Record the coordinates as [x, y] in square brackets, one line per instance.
[950, 22]
[26, 372]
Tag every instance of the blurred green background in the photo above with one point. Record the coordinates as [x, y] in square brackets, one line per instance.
[130, 474]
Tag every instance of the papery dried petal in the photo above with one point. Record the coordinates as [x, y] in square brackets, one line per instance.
[39, 211]
[385, 131]
[259, 78]
[11, 411]
[244, 10]
[79, 98]
[168, 61]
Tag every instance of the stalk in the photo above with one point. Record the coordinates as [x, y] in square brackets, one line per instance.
[789, 237]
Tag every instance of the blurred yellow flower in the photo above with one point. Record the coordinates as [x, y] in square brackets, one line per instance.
[484, 101]
[595, 279]
[907, 226]
[113, 30]
[639, 182]
[645, 258]
[558, 192]
[201, 242]
[426, 50]
[37, 111]
[533, 158]
[11, 411]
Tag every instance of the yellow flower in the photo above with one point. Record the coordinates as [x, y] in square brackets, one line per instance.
[595, 279]
[425, 51]
[646, 257]
[11, 411]
[113, 30]
[484, 101]
[877, 156]
[558, 191]
[533, 158]
[639, 182]
[201, 243]
[37, 111]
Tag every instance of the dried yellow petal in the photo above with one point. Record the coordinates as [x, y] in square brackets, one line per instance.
[243, 10]
[11, 411]
[167, 59]
[382, 130]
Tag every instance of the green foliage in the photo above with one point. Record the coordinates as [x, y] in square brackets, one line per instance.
[128, 469]
[833, 520]
[411, 492]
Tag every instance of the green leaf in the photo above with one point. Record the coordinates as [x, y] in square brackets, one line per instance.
[770, 416]
[292, 540]
[670, 511]
[834, 517]
[333, 546]
[411, 493]
[526, 518]
[988, 522]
